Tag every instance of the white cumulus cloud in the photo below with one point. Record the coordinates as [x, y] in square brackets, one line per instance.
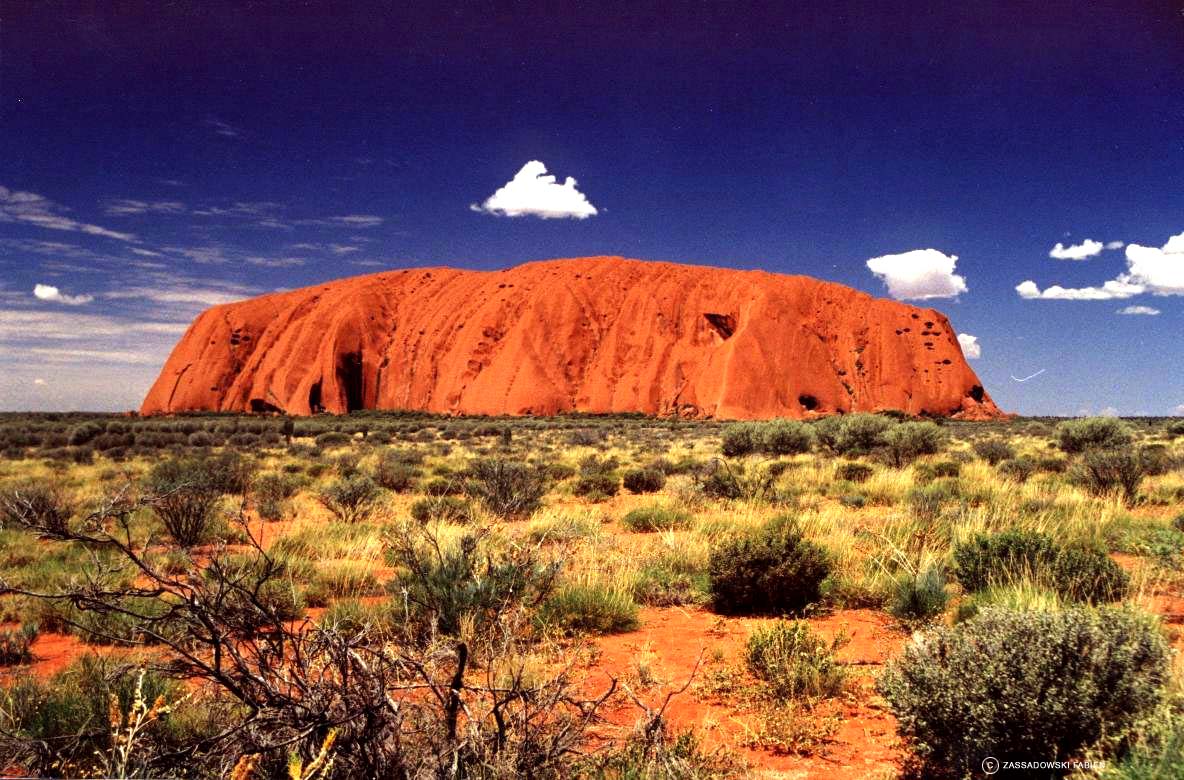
[1178, 411]
[1154, 270]
[1087, 248]
[1115, 244]
[919, 274]
[47, 292]
[970, 346]
[533, 192]
[1115, 289]
[1161, 269]
[1147, 310]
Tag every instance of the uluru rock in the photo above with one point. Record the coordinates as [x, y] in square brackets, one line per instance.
[600, 334]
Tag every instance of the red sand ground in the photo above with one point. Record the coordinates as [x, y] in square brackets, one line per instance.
[671, 641]
[598, 334]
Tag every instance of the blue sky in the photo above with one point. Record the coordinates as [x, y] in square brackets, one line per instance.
[159, 159]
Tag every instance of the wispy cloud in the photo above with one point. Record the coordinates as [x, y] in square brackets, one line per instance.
[277, 262]
[32, 209]
[919, 274]
[1139, 310]
[533, 192]
[224, 129]
[127, 207]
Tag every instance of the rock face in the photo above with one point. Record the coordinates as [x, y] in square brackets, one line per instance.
[600, 334]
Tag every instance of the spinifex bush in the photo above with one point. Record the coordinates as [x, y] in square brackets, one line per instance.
[184, 495]
[853, 471]
[1093, 433]
[794, 662]
[655, 518]
[16, 644]
[589, 608]
[1041, 686]
[444, 509]
[1076, 573]
[351, 499]
[505, 488]
[769, 570]
[474, 580]
[39, 503]
[920, 594]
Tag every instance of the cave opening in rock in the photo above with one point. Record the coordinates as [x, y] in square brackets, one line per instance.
[314, 399]
[808, 402]
[259, 406]
[977, 393]
[349, 376]
[724, 324]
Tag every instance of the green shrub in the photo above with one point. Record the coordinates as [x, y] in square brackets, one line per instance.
[1079, 574]
[994, 450]
[597, 485]
[771, 570]
[643, 480]
[906, 442]
[853, 471]
[740, 439]
[1093, 433]
[1085, 574]
[1103, 472]
[332, 439]
[794, 662]
[595, 609]
[828, 432]
[444, 509]
[786, 437]
[1017, 469]
[394, 473]
[83, 433]
[1038, 685]
[505, 488]
[351, 499]
[991, 559]
[647, 519]
[861, 433]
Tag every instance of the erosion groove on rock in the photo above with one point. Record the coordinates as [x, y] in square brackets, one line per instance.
[599, 334]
